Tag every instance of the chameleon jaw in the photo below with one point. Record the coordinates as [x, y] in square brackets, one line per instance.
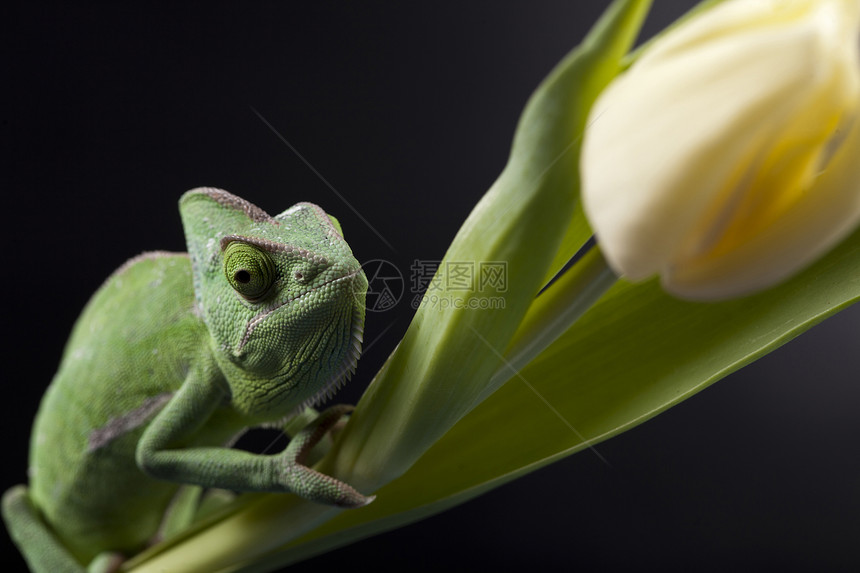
[343, 375]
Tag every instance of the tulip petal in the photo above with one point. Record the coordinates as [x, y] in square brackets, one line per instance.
[793, 211]
[674, 138]
[821, 218]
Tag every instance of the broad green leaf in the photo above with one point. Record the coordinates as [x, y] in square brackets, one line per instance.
[448, 356]
[633, 355]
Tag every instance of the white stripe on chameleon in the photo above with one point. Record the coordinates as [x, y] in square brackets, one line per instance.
[121, 425]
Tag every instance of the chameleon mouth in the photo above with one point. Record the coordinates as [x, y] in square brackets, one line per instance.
[258, 319]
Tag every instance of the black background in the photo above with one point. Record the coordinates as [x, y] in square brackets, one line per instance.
[111, 112]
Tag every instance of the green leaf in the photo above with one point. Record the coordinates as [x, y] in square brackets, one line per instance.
[633, 355]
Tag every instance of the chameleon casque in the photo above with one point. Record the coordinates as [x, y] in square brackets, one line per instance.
[173, 358]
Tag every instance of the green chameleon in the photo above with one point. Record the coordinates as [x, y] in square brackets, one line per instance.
[174, 357]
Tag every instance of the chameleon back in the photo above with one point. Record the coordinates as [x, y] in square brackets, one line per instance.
[129, 350]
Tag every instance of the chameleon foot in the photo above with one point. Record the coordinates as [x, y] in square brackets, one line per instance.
[311, 484]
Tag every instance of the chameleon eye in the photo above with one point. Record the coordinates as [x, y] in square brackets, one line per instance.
[249, 270]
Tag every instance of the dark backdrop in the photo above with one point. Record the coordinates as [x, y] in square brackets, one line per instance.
[406, 109]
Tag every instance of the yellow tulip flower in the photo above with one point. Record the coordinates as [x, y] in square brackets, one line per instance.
[728, 156]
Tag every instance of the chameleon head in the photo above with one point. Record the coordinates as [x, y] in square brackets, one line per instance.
[283, 299]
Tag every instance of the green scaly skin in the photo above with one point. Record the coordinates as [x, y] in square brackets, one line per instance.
[175, 356]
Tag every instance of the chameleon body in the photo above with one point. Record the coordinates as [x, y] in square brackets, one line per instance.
[174, 357]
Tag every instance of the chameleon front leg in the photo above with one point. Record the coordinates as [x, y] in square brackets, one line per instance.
[315, 485]
[41, 549]
[160, 454]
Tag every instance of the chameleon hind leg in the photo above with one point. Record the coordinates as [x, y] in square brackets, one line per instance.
[42, 551]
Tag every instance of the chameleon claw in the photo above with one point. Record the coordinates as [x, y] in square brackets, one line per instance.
[303, 442]
[309, 483]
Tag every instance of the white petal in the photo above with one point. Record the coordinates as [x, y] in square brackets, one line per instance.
[825, 216]
[669, 139]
